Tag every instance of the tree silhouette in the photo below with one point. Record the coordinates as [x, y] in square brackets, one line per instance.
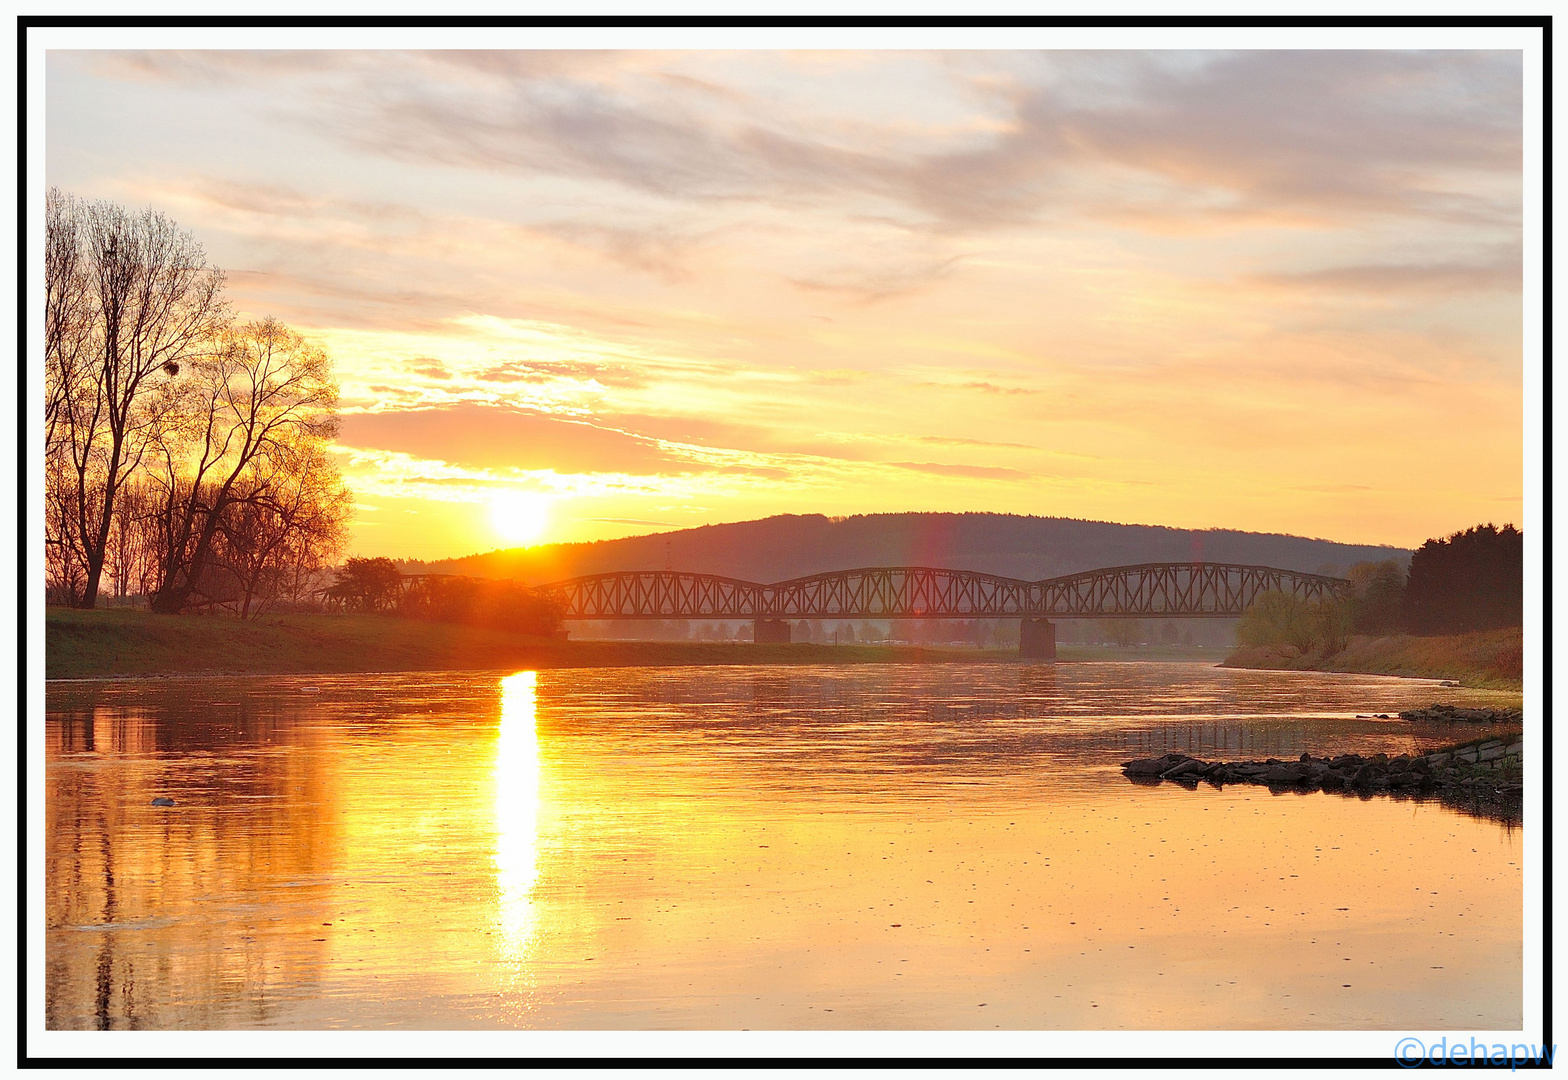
[1472, 580]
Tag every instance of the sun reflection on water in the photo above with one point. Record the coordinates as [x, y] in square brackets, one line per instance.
[517, 814]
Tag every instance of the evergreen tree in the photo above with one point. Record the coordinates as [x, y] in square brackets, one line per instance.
[1472, 580]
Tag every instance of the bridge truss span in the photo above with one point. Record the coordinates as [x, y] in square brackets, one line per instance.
[1177, 590]
[658, 594]
[1147, 590]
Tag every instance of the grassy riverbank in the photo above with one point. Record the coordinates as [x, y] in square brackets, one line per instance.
[101, 644]
[1489, 659]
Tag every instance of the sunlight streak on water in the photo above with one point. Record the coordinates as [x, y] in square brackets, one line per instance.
[517, 814]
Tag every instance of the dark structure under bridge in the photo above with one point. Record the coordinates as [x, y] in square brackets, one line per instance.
[1145, 591]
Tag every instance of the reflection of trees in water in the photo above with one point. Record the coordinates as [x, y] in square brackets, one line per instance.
[140, 900]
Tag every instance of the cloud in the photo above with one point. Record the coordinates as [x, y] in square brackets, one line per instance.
[541, 371]
[727, 435]
[1043, 134]
[991, 388]
[868, 285]
[1503, 275]
[986, 472]
[497, 437]
[632, 521]
[941, 440]
[431, 368]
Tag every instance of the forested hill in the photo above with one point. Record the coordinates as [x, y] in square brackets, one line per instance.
[777, 548]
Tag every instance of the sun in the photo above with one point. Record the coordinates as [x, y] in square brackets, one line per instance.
[520, 515]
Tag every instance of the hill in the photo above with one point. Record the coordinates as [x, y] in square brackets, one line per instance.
[787, 546]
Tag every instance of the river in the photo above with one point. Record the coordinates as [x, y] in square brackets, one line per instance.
[943, 846]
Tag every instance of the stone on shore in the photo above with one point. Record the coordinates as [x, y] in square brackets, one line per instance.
[1452, 713]
[1485, 773]
[1153, 766]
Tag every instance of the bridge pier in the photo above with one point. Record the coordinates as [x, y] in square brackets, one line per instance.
[770, 632]
[1036, 640]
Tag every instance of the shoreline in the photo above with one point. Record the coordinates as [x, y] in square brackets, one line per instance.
[1483, 660]
[120, 643]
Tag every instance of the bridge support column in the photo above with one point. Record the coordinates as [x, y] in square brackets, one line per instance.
[1037, 640]
[770, 632]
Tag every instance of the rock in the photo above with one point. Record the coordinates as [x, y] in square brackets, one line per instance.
[163, 801]
[1440, 772]
[1153, 766]
[1452, 713]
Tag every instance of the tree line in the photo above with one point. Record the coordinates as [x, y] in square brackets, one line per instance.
[186, 452]
[376, 586]
[1471, 580]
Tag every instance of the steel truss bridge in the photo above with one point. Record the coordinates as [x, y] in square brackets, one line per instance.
[1145, 591]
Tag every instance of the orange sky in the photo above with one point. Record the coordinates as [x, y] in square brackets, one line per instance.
[613, 292]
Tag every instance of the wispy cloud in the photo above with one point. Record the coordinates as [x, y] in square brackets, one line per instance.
[987, 472]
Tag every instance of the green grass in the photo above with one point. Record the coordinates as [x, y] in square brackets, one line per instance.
[1488, 659]
[102, 644]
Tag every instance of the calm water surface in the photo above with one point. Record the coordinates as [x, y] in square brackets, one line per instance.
[927, 847]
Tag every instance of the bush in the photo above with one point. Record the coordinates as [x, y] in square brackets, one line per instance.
[1279, 619]
[366, 585]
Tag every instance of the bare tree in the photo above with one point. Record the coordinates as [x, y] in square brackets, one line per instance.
[68, 323]
[130, 299]
[250, 412]
[275, 538]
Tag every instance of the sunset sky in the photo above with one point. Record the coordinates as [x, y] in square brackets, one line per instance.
[576, 295]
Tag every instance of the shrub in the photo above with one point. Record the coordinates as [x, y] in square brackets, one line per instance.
[1280, 619]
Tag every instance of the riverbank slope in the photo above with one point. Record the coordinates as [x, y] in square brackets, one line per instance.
[1487, 659]
[105, 644]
